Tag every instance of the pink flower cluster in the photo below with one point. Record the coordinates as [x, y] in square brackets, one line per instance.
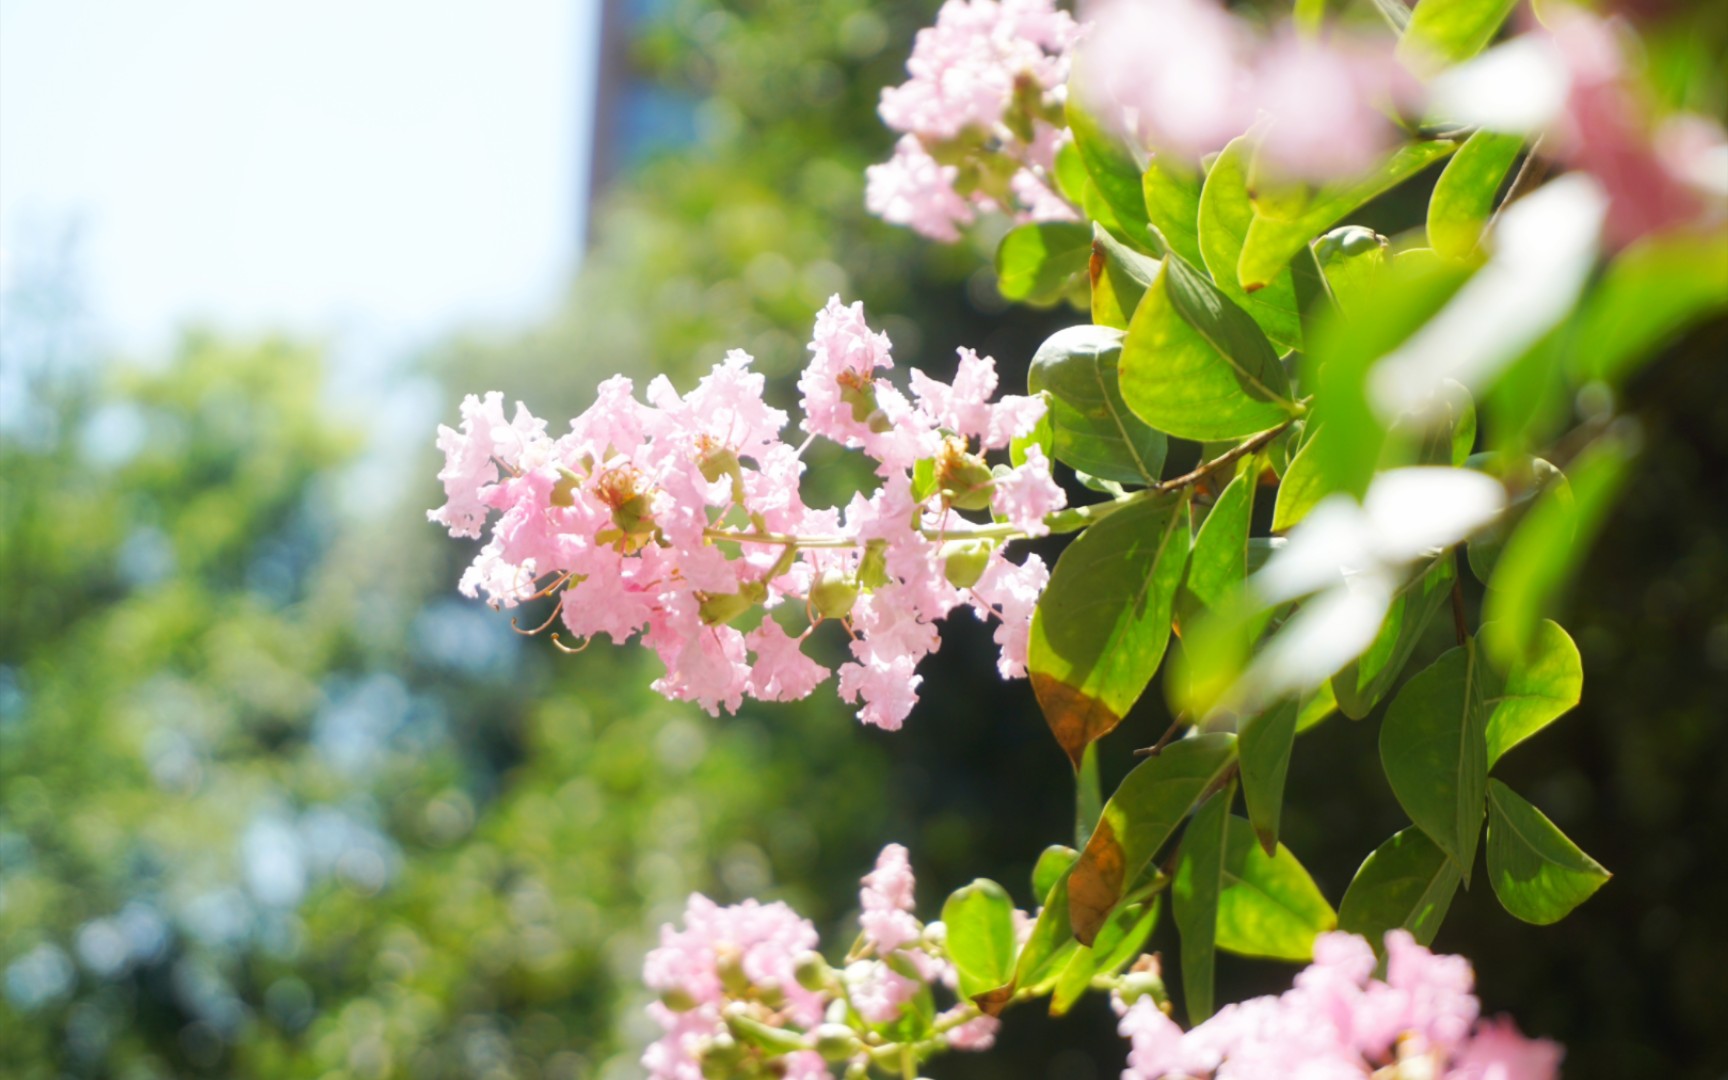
[754, 964]
[1196, 77]
[981, 118]
[677, 517]
[1338, 1021]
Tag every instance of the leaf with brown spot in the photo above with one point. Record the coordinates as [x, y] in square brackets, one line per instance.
[1101, 628]
[1151, 801]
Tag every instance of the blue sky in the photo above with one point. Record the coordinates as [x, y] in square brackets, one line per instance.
[386, 169]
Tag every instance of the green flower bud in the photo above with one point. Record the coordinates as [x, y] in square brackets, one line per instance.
[721, 1058]
[832, 596]
[718, 462]
[964, 479]
[678, 1000]
[964, 562]
[719, 608]
[729, 964]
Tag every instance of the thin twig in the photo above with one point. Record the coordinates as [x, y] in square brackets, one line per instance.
[1176, 725]
[1530, 173]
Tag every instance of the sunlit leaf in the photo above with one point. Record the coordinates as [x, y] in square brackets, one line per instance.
[1365, 680]
[1172, 191]
[1194, 898]
[1035, 262]
[1225, 216]
[1113, 169]
[1406, 883]
[1146, 808]
[1536, 691]
[1273, 240]
[1538, 874]
[1100, 628]
[980, 922]
[1091, 427]
[1433, 745]
[1264, 742]
[1445, 32]
[1463, 198]
[1270, 906]
[1196, 366]
[1119, 276]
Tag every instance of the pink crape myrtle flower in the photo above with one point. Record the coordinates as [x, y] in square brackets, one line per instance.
[720, 955]
[1340, 1021]
[680, 520]
[986, 82]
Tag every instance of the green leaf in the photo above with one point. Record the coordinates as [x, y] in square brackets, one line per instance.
[1406, 883]
[1092, 429]
[1225, 216]
[1113, 170]
[1538, 874]
[1195, 365]
[980, 922]
[1463, 198]
[1035, 262]
[1342, 349]
[1194, 898]
[1219, 564]
[1045, 953]
[1172, 192]
[1053, 862]
[1537, 690]
[1542, 554]
[1352, 259]
[1443, 32]
[1072, 984]
[1273, 240]
[1654, 290]
[1264, 742]
[1434, 747]
[1148, 805]
[1396, 14]
[1303, 485]
[1120, 276]
[1125, 934]
[1526, 478]
[1042, 435]
[1100, 629]
[1322, 704]
[1365, 680]
[1088, 795]
[1309, 16]
[1071, 175]
[1270, 906]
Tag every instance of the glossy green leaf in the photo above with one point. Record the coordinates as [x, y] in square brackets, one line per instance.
[1196, 366]
[1045, 953]
[1365, 680]
[1125, 934]
[1407, 883]
[1146, 808]
[1655, 289]
[1463, 198]
[1194, 898]
[1270, 906]
[1071, 175]
[1273, 240]
[1035, 262]
[1343, 348]
[1434, 747]
[1225, 216]
[1540, 557]
[1100, 629]
[1303, 485]
[1219, 564]
[1088, 794]
[980, 921]
[1443, 32]
[1053, 862]
[1172, 192]
[1264, 742]
[1092, 429]
[1538, 874]
[1111, 165]
[1537, 690]
[1073, 982]
[1119, 276]
[1352, 258]
[1316, 707]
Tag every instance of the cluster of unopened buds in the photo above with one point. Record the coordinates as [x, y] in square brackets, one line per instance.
[743, 993]
[1420, 1022]
[682, 519]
